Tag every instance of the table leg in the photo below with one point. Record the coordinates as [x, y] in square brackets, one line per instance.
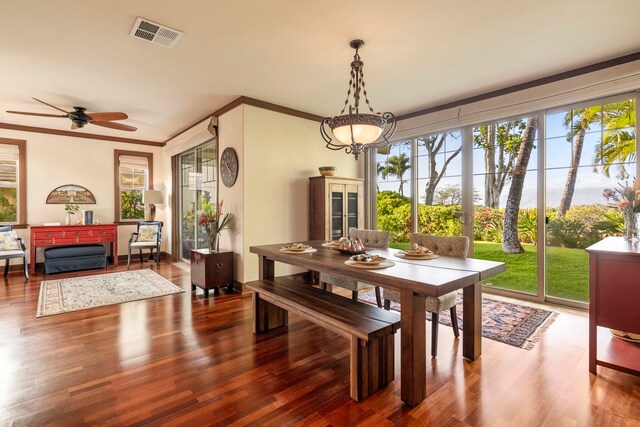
[266, 267]
[32, 256]
[114, 251]
[413, 348]
[472, 321]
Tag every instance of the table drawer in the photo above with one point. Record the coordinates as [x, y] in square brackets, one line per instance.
[101, 233]
[44, 242]
[66, 241]
[48, 234]
[77, 233]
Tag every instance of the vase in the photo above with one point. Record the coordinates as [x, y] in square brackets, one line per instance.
[213, 243]
[68, 219]
[630, 225]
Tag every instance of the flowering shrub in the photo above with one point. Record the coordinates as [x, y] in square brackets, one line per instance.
[580, 227]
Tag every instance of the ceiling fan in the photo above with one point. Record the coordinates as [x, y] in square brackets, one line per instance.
[79, 118]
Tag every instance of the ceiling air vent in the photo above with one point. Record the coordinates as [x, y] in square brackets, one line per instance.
[155, 33]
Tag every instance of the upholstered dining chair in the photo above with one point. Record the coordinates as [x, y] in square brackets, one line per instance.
[148, 235]
[12, 246]
[440, 245]
[370, 239]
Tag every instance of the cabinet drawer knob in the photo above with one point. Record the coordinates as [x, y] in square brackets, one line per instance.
[48, 234]
[219, 265]
[77, 233]
[102, 232]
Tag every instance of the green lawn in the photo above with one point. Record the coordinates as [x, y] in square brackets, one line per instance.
[567, 269]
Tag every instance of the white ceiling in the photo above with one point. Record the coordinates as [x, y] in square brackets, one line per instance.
[418, 53]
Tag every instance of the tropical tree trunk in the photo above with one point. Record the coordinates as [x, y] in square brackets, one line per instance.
[510, 241]
[570, 184]
[434, 145]
[490, 168]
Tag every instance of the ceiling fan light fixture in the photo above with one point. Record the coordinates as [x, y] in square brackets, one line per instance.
[357, 132]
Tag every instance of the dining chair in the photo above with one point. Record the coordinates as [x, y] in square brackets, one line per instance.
[370, 239]
[148, 235]
[12, 246]
[453, 246]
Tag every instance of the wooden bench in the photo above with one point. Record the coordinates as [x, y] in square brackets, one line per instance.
[370, 329]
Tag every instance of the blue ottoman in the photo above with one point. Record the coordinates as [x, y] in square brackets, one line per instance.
[72, 258]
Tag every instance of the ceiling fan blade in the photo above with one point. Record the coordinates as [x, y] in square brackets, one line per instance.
[118, 126]
[106, 117]
[52, 106]
[36, 114]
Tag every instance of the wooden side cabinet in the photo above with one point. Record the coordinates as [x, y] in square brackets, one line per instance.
[336, 205]
[211, 270]
[614, 295]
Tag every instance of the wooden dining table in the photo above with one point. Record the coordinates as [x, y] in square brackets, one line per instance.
[414, 279]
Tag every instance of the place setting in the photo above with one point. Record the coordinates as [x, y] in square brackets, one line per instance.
[298, 248]
[369, 261]
[416, 252]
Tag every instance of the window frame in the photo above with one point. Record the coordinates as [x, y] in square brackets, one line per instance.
[116, 176]
[21, 181]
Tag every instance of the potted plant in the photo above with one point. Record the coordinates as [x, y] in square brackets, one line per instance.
[70, 210]
[213, 222]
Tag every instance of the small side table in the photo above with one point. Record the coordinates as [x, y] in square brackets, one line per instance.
[211, 270]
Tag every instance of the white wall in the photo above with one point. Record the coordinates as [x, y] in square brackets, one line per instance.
[281, 152]
[54, 160]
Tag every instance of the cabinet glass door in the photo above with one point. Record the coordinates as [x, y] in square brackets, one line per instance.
[337, 211]
[352, 207]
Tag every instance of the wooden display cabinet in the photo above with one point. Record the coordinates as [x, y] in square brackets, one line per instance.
[211, 270]
[614, 295]
[336, 205]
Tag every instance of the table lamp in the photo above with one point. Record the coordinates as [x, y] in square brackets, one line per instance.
[151, 198]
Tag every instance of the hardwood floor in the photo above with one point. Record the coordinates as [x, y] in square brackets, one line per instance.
[186, 360]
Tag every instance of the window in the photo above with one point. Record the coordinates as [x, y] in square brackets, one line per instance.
[13, 187]
[133, 175]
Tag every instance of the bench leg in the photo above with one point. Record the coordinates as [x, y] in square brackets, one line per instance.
[372, 365]
[267, 316]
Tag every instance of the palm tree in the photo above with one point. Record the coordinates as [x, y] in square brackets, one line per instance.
[510, 241]
[398, 165]
[579, 122]
[618, 144]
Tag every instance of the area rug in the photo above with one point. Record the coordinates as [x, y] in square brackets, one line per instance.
[80, 293]
[508, 323]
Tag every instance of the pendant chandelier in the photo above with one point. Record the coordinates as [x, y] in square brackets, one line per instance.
[356, 132]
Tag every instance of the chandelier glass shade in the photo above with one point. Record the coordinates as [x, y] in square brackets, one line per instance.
[356, 132]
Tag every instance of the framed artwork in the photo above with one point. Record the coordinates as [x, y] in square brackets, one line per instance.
[67, 194]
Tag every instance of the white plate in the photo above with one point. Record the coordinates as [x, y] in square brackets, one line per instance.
[424, 256]
[383, 264]
[305, 251]
[330, 245]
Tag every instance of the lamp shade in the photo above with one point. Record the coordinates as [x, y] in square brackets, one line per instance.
[152, 197]
[362, 133]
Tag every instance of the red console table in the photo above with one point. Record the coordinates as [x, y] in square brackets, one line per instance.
[65, 235]
[614, 292]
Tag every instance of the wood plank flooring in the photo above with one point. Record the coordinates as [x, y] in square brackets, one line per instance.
[187, 360]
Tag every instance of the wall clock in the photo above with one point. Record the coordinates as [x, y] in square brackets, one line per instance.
[229, 166]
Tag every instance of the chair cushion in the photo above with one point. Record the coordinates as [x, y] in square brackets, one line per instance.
[433, 305]
[139, 244]
[147, 233]
[9, 241]
[6, 254]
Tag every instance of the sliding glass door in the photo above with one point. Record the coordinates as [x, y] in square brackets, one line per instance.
[197, 182]
[590, 147]
[500, 175]
[505, 200]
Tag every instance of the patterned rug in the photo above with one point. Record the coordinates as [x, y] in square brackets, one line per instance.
[512, 324]
[80, 293]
